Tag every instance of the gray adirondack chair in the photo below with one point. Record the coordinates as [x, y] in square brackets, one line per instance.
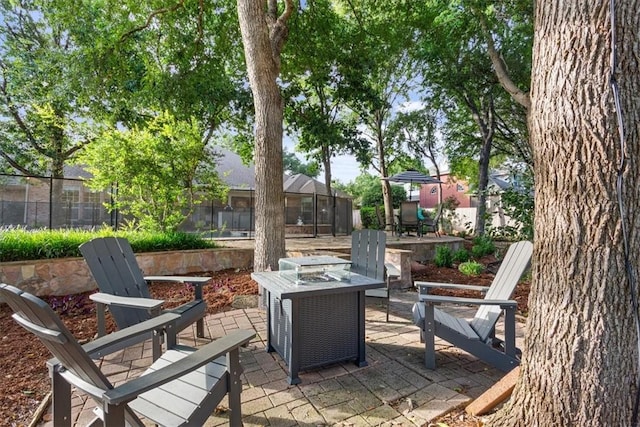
[367, 258]
[124, 289]
[478, 335]
[182, 388]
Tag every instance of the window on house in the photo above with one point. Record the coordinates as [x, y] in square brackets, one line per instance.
[92, 197]
[71, 196]
[459, 187]
[92, 206]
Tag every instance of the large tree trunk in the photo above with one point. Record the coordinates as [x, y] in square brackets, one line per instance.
[482, 113]
[326, 163]
[580, 358]
[263, 35]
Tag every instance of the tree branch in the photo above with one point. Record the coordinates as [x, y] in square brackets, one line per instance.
[278, 30]
[518, 95]
[200, 22]
[13, 112]
[14, 164]
[153, 14]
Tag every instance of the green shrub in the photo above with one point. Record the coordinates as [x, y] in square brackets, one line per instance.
[471, 268]
[518, 205]
[372, 196]
[482, 245]
[20, 244]
[444, 256]
[461, 255]
[368, 217]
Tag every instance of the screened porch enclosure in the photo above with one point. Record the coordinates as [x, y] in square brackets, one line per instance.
[43, 202]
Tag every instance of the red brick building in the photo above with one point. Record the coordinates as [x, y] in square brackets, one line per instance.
[451, 186]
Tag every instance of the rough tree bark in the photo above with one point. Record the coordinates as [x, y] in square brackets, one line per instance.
[580, 358]
[263, 36]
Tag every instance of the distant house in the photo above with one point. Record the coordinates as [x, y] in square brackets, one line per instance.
[468, 202]
[241, 177]
[451, 187]
[27, 201]
[460, 190]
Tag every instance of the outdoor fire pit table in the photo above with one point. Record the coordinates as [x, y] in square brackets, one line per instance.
[313, 323]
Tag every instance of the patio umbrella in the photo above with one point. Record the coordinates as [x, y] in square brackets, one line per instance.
[413, 177]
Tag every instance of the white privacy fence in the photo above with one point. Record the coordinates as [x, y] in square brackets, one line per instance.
[463, 219]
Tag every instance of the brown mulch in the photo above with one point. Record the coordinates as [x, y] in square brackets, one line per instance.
[22, 358]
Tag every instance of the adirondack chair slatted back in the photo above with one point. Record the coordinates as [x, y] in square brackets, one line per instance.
[409, 213]
[514, 264]
[168, 392]
[37, 317]
[367, 253]
[114, 267]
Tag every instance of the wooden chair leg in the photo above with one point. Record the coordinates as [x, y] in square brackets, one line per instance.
[100, 314]
[388, 295]
[429, 337]
[61, 395]
[510, 332]
[114, 415]
[235, 387]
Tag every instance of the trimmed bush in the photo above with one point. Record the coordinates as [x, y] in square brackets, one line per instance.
[471, 268]
[444, 257]
[19, 244]
[368, 217]
[482, 245]
[461, 255]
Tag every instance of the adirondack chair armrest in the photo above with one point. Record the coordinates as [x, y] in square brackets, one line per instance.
[148, 304]
[109, 343]
[130, 390]
[192, 280]
[195, 281]
[442, 299]
[391, 271]
[423, 287]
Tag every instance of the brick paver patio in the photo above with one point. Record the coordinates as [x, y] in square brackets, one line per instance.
[395, 389]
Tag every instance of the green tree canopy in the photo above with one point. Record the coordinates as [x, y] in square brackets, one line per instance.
[43, 117]
[373, 195]
[161, 170]
[293, 165]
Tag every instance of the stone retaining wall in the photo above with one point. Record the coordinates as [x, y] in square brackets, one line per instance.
[71, 275]
[425, 251]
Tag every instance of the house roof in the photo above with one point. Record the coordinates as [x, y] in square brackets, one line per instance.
[239, 176]
[233, 171]
[300, 183]
[499, 182]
